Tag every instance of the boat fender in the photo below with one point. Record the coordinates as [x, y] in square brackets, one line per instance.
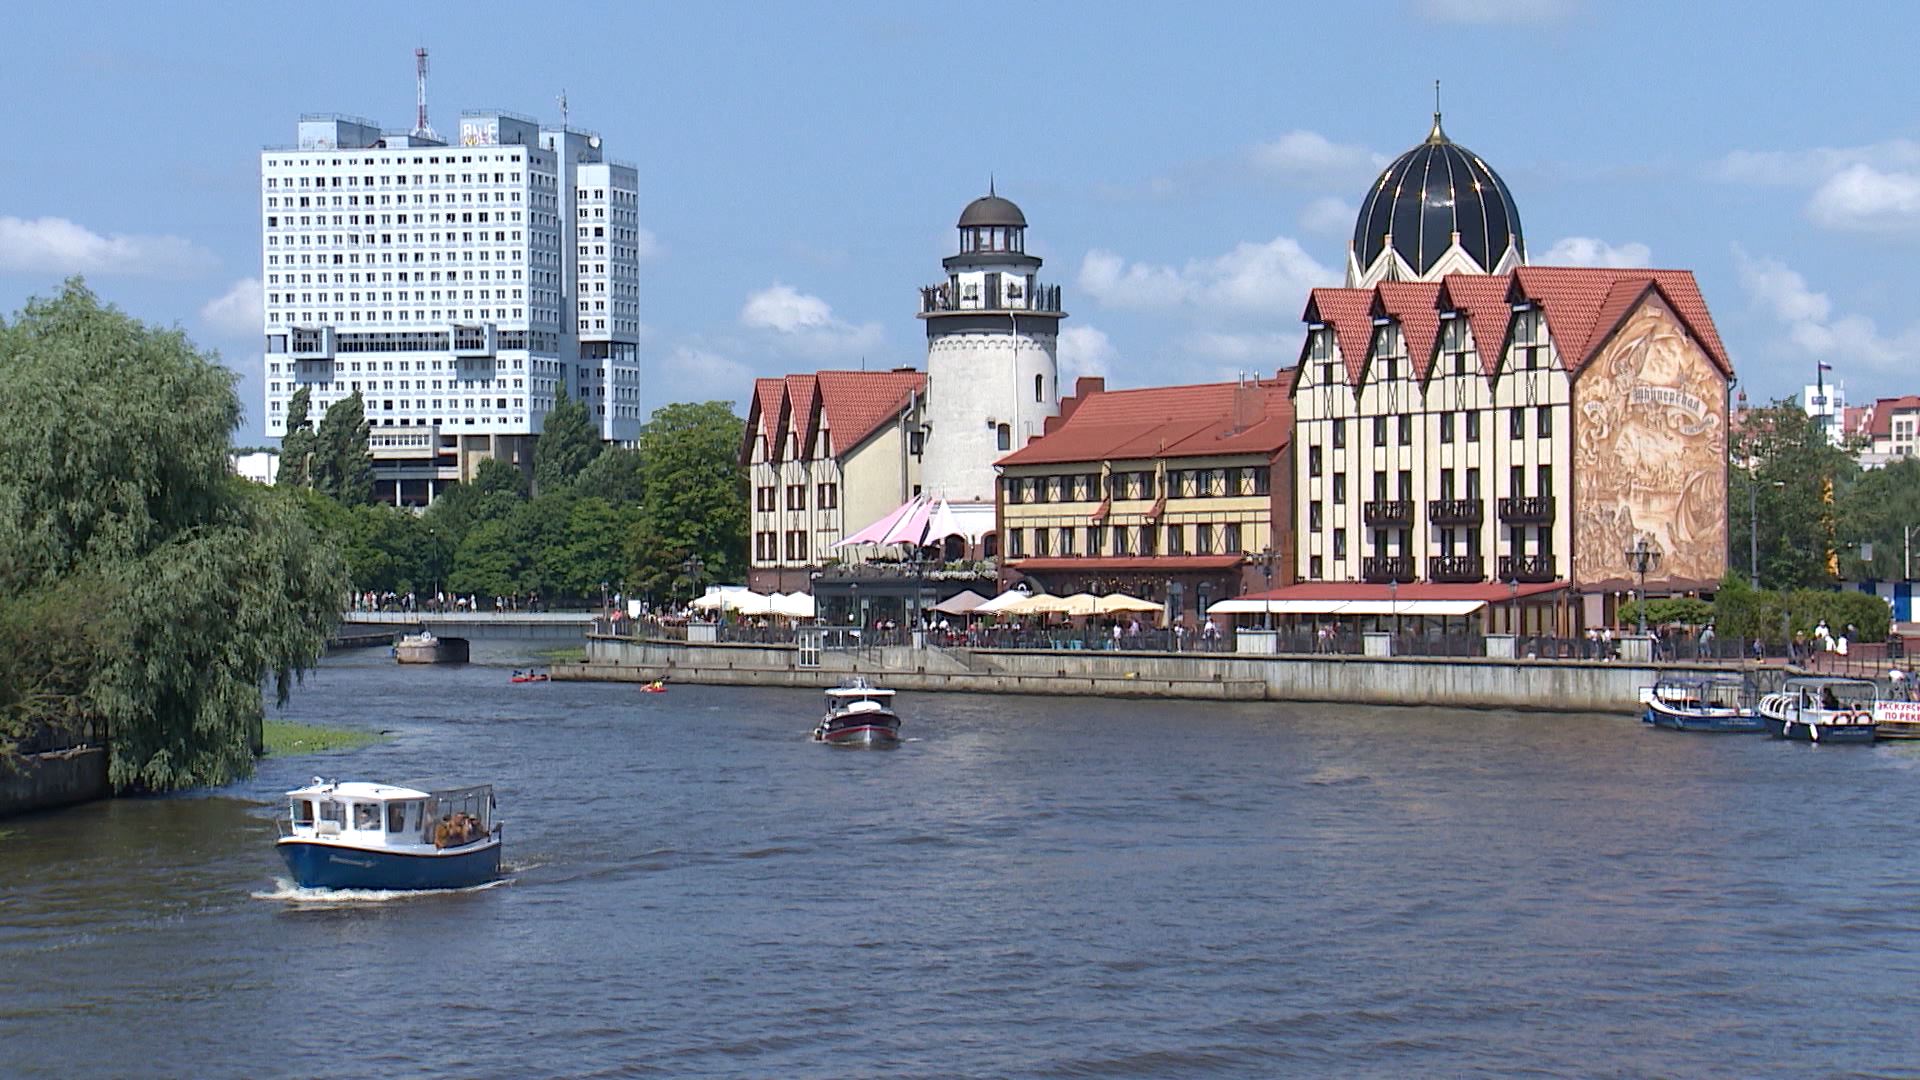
[1813, 731]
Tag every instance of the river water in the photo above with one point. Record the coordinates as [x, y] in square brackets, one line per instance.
[1030, 887]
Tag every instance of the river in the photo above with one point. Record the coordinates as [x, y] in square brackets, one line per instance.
[1030, 887]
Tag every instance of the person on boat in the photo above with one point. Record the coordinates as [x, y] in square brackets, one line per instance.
[1829, 700]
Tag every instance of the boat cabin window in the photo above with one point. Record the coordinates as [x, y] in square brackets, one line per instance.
[396, 817]
[366, 817]
[303, 811]
[334, 812]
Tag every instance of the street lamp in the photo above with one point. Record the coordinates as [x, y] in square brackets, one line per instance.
[1642, 557]
[695, 568]
[1393, 605]
[1266, 570]
[1513, 607]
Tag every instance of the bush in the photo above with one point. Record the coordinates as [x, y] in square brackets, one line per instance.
[1745, 613]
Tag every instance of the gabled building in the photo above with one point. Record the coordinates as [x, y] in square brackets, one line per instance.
[826, 453]
[1174, 493]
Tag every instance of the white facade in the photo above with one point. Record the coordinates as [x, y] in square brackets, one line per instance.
[1826, 403]
[992, 353]
[439, 282]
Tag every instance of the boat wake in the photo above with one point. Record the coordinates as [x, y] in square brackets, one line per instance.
[287, 892]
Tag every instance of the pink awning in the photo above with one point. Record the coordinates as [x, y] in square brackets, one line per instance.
[878, 532]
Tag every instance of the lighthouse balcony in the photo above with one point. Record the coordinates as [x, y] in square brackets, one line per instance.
[1011, 296]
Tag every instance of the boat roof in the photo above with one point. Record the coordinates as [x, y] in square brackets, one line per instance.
[368, 791]
[858, 691]
[1691, 678]
[1806, 681]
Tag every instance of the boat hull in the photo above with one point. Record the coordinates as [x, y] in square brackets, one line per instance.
[1897, 729]
[316, 865]
[1824, 734]
[869, 734]
[1723, 723]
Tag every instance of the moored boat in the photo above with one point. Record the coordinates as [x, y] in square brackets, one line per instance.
[1717, 704]
[1822, 710]
[859, 714]
[357, 835]
[425, 647]
[530, 676]
[1896, 720]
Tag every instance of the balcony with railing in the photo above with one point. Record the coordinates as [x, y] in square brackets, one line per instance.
[1527, 568]
[1446, 512]
[1385, 513]
[1380, 569]
[1011, 296]
[1456, 568]
[1530, 508]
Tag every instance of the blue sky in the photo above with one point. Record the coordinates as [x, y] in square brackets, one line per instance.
[1187, 171]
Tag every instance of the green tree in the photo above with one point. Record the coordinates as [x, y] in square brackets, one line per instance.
[1789, 479]
[343, 466]
[695, 499]
[496, 477]
[1881, 510]
[118, 505]
[567, 443]
[297, 446]
[616, 475]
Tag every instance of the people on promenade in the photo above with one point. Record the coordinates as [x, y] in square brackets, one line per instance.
[1210, 635]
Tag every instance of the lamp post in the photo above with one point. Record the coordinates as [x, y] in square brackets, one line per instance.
[1513, 607]
[1393, 605]
[1642, 557]
[694, 568]
[1266, 571]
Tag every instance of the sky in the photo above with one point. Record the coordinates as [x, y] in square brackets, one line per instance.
[1187, 172]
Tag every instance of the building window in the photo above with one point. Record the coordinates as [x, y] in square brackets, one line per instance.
[1446, 427]
[1314, 569]
[1339, 543]
[1543, 475]
[1040, 388]
[1176, 539]
[1005, 436]
[1147, 539]
[1203, 542]
[1014, 487]
[1066, 541]
[1016, 543]
[1230, 539]
[1313, 461]
[1406, 429]
[1473, 427]
[1042, 545]
[1543, 421]
[1314, 516]
[1262, 480]
[1339, 488]
[1122, 540]
[1379, 431]
[796, 496]
[1516, 422]
[828, 496]
[1339, 434]
[764, 499]
[1093, 539]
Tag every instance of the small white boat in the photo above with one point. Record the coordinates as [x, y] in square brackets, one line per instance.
[359, 835]
[1716, 704]
[1822, 710]
[859, 714]
[425, 647]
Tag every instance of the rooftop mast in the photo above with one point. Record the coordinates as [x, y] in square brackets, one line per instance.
[421, 128]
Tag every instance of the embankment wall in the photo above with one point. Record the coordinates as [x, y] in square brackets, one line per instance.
[60, 778]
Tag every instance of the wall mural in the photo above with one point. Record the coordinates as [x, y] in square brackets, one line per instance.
[1650, 456]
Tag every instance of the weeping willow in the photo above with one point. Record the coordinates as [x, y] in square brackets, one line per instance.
[144, 590]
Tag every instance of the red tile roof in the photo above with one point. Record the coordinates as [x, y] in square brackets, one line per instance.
[857, 403]
[1412, 303]
[803, 402]
[764, 414]
[1129, 562]
[1584, 305]
[1483, 300]
[1169, 421]
[1350, 313]
[1881, 426]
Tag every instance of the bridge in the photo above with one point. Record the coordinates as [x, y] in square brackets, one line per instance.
[478, 625]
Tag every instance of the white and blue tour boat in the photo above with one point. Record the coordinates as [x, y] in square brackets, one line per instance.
[1718, 704]
[375, 836]
[1822, 710]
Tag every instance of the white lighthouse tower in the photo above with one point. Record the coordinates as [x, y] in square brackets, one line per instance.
[993, 334]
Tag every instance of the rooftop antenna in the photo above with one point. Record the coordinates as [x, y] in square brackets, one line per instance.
[563, 108]
[1436, 135]
[990, 190]
[420, 126]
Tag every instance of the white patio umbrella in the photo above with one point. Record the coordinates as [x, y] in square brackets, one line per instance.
[1001, 603]
[1115, 603]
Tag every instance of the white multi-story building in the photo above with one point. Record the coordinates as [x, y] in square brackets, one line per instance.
[458, 288]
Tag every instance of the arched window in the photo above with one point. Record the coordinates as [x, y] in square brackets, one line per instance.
[1040, 388]
[1006, 437]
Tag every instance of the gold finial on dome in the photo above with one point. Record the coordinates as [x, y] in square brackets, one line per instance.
[1436, 135]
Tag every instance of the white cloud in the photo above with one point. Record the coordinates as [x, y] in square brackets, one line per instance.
[1311, 155]
[1084, 350]
[646, 245]
[1328, 215]
[1861, 197]
[58, 246]
[1812, 324]
[1588, 251]
[693, 372]
[806, 324]
[1262, 353]
[1496, 11]
[1270, 278]
[1806, 168]
[238, 312]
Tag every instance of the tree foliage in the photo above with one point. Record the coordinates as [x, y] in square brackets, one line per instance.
[1775, 616]
[297, 446]
[1789, 480]
[695, 500]
[342, 464]
[142, 587]
[567, 443]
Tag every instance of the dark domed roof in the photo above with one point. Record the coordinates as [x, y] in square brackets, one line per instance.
[991, 210]
[1431, 192]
